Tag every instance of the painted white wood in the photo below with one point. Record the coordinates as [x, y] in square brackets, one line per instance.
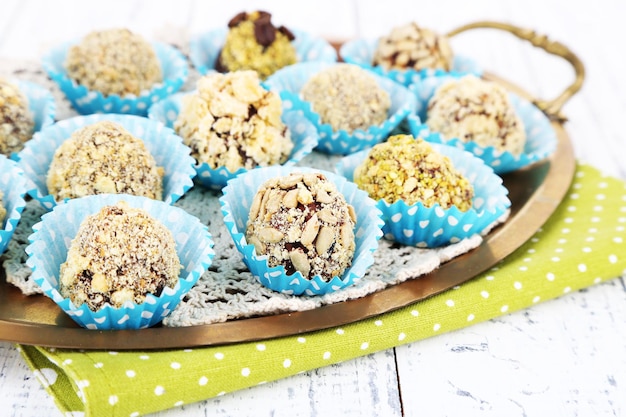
[561, 358]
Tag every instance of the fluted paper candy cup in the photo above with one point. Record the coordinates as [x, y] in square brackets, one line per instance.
[204, 49]
[361, 52]
[303, 135]
[236, 201]
[13, 187]
[163, 144]
[429, 227]
[289, 81]
[541, 138]
[49, 245]
[173, 67]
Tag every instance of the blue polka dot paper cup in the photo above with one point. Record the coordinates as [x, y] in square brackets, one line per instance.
[173, 67]
[289, 81]
[303, 135]
[236, 201]
[204, 49]
[361, 52]
[13, 187]
[429, 227]
[49, 245]
[541, 139]
[163, 144]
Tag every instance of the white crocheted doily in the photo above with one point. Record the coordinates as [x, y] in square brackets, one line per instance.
[227, 290]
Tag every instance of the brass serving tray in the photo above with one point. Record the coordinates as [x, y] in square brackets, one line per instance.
[535, 193]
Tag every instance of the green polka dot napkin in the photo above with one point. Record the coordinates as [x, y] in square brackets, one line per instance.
[581, 244]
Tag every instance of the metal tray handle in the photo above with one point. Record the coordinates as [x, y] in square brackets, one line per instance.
[552, 108]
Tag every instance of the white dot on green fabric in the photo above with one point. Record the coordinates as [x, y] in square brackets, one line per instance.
[555, 259]
[159, 390]
[219, 356]
[98, 365]
[613, 259]
[571, 208]
[597, 280]
[203, 381]
[187, 350]
[582, 267]
[286, 363]
[144, 357]
[504, 308]
[527, 259]
[561, 241]
[517, 285]
[135, 414]
[221, 393]
[600, 197]
[113, 353]
[536, 299]
[484, 294]
[574, 196]
[595, 220]
[301, 340]
[523, 268]
[586, 249]
[178, 403]
[67, 362]
[565, 230]
[401, 337]
[450, 303]
[378, 323]
[568, 220]
[175, 365]
[326, 355]
[598, 208]
[531, 250]
[339, 331]
[113, 399]
[489, 277]
[245, 372]
[364, 345]
[471, 317]
[415, 313]
[534, 240]
[550, 276]
[566, 290]
[130, 373]
[260, 347]
[590, 239]
[559, 250]
[436, 327]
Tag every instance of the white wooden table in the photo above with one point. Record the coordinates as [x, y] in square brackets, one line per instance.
[566, 357]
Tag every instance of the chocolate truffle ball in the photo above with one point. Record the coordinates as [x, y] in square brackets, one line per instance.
[254, 43]
[119, 254]
[409, 169]
[114, 61]
[16, 120]
[413, 47]
[301, 221]
[232, 121]
[347, 97]
[475, 110]
[103, 158]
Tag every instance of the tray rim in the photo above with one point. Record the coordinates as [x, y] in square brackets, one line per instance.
[541, 204]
